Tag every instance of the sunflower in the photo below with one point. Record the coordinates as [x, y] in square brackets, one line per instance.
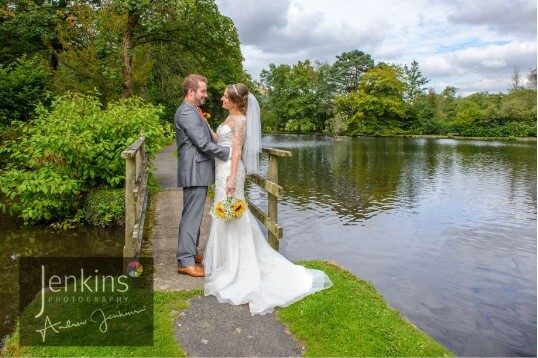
[220, 210]
[239, 208]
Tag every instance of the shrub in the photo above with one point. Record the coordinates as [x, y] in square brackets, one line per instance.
[71, 148]
[104, 208]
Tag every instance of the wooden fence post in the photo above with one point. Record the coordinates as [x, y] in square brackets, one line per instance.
[136, 196]
[274, 192]
[272, 205]
[130, 206]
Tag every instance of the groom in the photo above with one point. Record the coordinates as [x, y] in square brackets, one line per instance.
[195, 170]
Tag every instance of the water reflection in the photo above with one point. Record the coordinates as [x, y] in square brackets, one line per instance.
[17, 240]
[446, 229]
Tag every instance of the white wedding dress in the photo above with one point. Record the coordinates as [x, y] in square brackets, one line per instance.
[241, 267]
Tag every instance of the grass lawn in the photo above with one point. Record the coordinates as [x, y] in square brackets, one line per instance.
[352, 319]
[349, 319]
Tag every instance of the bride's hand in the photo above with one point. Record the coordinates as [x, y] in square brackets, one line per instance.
[230, 186]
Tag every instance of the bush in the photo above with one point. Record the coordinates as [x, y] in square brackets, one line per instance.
[104, 208]
[70, 149]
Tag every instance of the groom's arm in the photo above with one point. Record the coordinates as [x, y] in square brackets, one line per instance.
[192, 124]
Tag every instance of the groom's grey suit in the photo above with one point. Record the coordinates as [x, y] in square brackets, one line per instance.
[195, 172]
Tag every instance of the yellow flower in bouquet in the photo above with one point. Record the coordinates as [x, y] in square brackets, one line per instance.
[229, 209]
[239, 208]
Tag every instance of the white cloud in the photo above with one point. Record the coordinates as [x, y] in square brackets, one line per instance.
[515, 16]
[470, 44]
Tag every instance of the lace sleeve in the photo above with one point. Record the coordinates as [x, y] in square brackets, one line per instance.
[238, 133]
[238, 137]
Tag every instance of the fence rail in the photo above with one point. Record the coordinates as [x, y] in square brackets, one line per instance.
[274, 192]
[136, 196]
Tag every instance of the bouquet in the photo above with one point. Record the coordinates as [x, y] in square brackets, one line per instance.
[229, 209]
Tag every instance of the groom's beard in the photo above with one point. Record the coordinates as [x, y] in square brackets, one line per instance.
[199, 101]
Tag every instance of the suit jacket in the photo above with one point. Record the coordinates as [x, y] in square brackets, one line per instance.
[195, 148]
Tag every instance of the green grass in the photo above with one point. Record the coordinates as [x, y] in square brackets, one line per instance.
[349, 319]
[166, 308]
[352, 319]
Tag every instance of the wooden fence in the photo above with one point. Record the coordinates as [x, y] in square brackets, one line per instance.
[136, 196]
[274, 192]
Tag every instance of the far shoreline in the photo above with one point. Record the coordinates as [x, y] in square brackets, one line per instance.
[424, 136]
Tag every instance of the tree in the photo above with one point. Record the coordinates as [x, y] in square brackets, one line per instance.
[516, 80]
[377, 107]
[415, 82]
[297, 96]
[32, 27]
[23, 85]
[425, 112]
[467, 114]
[519, 106]
[123, 47]
[273, 81]
[349, 68]
[531, 79]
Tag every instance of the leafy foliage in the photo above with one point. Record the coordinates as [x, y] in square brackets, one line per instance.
[298, 98]
[349, 68]
[23, 85]
[71, 148]
[123, 47]
[377, 106]
[414, 82]
[104, 208]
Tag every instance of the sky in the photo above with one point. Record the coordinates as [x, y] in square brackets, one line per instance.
[473, 45]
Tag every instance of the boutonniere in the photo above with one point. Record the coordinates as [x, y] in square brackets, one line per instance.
[206, 115]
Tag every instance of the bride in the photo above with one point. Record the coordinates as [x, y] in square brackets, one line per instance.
[241, 267]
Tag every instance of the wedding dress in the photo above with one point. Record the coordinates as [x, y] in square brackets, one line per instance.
[241, 267]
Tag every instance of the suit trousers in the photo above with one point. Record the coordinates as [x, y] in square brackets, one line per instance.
[194, 198]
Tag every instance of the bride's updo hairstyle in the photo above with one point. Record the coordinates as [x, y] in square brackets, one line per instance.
[238, 95]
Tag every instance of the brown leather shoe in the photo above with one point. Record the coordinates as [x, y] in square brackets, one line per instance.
[198, 259]
[193, 270]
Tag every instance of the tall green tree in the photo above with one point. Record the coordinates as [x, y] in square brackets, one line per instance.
[377, 107]
[349, 68]
[273, 80]
[298, 96]
[123, 47]
[415, 83]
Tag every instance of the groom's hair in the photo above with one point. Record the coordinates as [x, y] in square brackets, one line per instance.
[191, 82]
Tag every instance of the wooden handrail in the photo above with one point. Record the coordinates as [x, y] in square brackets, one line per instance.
[277, 152]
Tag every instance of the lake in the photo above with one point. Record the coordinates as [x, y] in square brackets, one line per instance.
[445, 229]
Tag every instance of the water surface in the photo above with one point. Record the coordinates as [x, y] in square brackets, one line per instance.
[445, 229]
[17, 240]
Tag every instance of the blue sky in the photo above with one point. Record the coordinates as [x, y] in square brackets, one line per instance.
[473, 45]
